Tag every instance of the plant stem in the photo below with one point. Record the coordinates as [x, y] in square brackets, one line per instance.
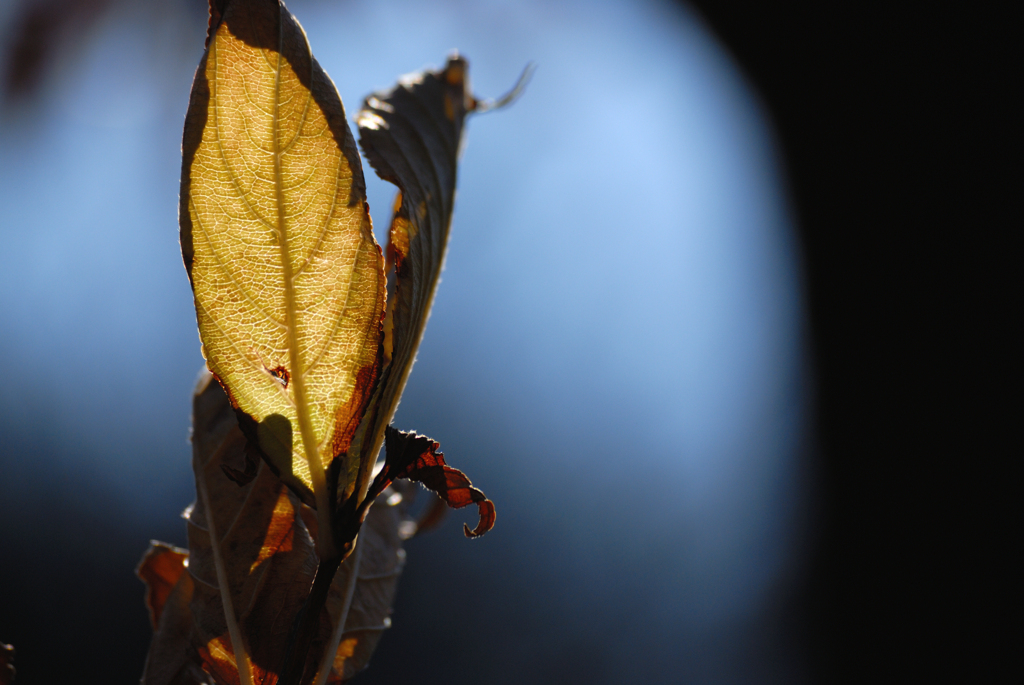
[309, 617]
[339, 630]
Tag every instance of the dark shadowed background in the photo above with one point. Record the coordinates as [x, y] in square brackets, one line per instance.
[678, 340]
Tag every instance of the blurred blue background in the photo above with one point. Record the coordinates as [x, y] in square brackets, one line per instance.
[615, 355]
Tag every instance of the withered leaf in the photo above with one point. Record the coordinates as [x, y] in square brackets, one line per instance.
[411, 136]
[250, 556]
[172, 659]
[276, 237]
[265, 545]
[160, 569]
[416, 457]
[377, 563]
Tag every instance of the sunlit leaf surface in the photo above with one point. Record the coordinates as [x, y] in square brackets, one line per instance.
[276, 236]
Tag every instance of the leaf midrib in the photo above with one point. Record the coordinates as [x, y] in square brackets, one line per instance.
[308, 436]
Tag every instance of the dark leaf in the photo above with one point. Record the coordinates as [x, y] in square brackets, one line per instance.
[415, 457]
[257, 537]
[411, 136]
[242, 467]
[172, 659]
[377, 562]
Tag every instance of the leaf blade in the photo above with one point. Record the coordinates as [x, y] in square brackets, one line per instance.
[276, 237]
[411, 136]
[160, 569]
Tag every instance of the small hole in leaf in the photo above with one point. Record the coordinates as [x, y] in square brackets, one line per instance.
[281, 374]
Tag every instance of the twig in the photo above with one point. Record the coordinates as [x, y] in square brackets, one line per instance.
[339, 631]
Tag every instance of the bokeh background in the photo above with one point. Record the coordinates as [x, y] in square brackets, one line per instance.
[616, 356]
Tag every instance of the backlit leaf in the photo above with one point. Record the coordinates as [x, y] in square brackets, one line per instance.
[276, 236]
[171, 659]
[257, 537]
[289, 289]
[160, 569]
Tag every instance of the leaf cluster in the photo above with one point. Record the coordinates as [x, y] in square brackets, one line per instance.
[309, 334]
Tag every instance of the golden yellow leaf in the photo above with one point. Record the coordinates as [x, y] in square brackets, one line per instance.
[276, 236]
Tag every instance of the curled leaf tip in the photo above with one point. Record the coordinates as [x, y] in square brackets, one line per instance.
[511, 96]
[416, 457]
[486, 508]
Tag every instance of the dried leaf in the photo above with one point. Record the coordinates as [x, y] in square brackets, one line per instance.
[276, 236]
[255, 533]
[266, 542]
[160, 569]
[172, 659]
[415, 457]
[411, 136]
[377, 563]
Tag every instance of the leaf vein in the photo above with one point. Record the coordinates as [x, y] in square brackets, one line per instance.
[218, 143]
[326, 225]
[224, 269]
[257, 364]
[337, 321]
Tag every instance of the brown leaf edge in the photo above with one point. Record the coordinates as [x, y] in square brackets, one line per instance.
[416, 458]
[6, 664]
